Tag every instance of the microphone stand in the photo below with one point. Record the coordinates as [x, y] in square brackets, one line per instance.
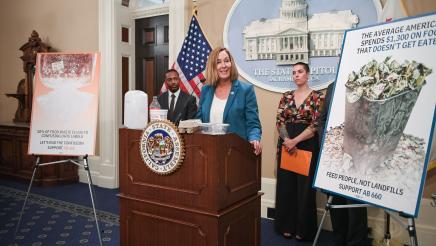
[196, 86]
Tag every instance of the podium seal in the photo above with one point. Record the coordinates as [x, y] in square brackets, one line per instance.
[161, 147]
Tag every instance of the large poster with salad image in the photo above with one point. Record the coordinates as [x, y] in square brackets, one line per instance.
[378, 136]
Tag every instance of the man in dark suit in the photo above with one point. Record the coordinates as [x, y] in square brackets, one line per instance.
[180, 105]
[350, 225]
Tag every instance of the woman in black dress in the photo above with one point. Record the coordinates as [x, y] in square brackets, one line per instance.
[295, 211]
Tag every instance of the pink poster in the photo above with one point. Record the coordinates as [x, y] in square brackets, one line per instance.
[65, 104]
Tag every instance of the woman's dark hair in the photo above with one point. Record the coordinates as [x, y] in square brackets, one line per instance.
[305, 65]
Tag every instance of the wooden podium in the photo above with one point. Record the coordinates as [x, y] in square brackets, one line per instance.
[212, 199]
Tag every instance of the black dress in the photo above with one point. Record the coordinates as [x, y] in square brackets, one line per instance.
[295, 210]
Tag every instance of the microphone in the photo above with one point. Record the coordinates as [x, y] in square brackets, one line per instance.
[196, 85]
[177, 119]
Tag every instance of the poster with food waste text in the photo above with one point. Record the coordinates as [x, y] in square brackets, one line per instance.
[377, 139]
[65, 104]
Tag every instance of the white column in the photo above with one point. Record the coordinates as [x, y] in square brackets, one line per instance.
[104, 168]
[177, 15]
[269, 44]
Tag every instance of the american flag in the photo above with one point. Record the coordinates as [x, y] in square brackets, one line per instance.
[191, 61]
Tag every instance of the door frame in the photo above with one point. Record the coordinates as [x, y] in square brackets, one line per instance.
[105, 166]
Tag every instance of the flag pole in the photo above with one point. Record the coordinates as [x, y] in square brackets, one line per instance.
[192, 58]
[195, 13]
[403, 7]
[194, 8]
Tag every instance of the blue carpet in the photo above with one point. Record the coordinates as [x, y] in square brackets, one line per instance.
[106, 199]
[62, 215]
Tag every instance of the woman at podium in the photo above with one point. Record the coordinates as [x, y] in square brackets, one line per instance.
[298, 110]
[225, 99]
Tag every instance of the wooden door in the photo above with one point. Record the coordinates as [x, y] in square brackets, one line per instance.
[151, 54]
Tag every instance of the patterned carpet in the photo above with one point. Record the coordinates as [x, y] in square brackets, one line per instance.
[49, 221]
[62, 215]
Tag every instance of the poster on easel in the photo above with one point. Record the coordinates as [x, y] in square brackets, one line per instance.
[377, 139]
[65, 104]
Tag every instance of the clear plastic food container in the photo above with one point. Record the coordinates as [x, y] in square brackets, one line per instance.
[214, 128]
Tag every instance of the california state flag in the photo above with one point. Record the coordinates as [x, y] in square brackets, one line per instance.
[393, 9]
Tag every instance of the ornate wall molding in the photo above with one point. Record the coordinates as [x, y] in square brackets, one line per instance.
[157, 10]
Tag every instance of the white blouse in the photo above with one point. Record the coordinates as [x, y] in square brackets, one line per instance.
[217, 109]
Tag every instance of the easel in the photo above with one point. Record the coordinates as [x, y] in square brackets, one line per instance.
[90, 185]
[433, 203]
[410, 227]
[327, 208]
[387, 237]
